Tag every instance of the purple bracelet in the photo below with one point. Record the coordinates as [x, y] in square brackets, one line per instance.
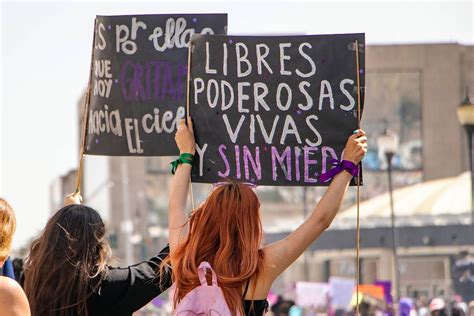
[339, 166]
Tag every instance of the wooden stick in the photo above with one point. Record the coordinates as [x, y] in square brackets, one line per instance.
[188, 79]
[86, 118]
[358, 184]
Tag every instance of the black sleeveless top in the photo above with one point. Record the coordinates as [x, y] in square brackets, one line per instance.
[259, 308]
[254, 307]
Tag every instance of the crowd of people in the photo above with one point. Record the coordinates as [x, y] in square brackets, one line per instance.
[436, 306]
[370, 306]
[66, 270]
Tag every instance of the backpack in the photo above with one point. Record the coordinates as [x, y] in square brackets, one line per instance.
[205, 299]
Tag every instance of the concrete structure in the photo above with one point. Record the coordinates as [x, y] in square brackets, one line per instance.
[434, 232]
[445, 71]
[427, 258]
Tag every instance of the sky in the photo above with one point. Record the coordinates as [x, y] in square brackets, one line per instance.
[45, 57]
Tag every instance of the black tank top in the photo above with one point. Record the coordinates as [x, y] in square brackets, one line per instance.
[254, 307]
[259, 308]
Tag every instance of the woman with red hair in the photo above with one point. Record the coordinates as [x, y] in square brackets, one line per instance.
[226, 231]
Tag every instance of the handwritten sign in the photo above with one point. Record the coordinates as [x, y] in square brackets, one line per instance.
[139, 73]
[273, 110]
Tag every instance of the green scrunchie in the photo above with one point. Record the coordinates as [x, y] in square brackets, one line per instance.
[183, 158]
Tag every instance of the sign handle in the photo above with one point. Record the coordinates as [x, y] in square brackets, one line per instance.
[358, 184]
[188, 82]
[86, 118]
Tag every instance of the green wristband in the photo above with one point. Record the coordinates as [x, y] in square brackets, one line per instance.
[183, 158]
[186, 156]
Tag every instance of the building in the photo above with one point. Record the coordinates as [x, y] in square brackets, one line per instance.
[60, 187]
[434, 234]
[415, 90]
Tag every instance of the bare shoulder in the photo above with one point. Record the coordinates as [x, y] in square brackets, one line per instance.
[10, 288]
[13, 298]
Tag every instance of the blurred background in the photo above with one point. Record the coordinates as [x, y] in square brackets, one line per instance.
[417, 216]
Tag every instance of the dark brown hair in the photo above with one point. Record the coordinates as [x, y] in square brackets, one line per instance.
[67, 263]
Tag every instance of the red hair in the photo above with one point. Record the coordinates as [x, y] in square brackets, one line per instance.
[227, 232]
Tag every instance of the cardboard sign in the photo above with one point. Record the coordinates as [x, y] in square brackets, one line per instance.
[375, 291]
[341, 290]
[273, 110]
[139, 72]
[311, 294]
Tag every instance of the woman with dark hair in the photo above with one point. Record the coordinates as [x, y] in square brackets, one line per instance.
[226, 231]
[66, 272]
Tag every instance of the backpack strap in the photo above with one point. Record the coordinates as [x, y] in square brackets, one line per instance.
[202, 270]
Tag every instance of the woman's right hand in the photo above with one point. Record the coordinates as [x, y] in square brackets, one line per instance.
[73, 198]
[356, 147]
[185, 137]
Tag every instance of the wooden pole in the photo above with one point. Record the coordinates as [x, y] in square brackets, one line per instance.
[85, 119]
[188, 83]
[358, 184]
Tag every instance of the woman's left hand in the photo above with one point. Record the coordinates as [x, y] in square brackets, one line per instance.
[73, 198]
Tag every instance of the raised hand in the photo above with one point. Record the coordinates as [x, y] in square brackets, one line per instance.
[356, 147]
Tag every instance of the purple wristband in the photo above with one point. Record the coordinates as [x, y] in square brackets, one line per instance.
[351, 167]
[339, 166]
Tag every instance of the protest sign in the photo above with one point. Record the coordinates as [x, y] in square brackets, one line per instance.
[341, 290]
[273, 110]
[312, 294]
[387, 290]
[373, 290]
[138, 81]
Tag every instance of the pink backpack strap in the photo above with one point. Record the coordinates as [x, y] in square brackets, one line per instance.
[202, 273]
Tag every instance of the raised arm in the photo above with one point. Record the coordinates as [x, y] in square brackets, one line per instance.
[284, 252]
[177, 218]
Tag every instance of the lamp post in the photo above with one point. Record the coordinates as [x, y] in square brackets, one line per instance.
[388, 144]
[466, 118]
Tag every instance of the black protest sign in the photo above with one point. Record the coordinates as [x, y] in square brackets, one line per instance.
[138, 82]
[273, 110]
